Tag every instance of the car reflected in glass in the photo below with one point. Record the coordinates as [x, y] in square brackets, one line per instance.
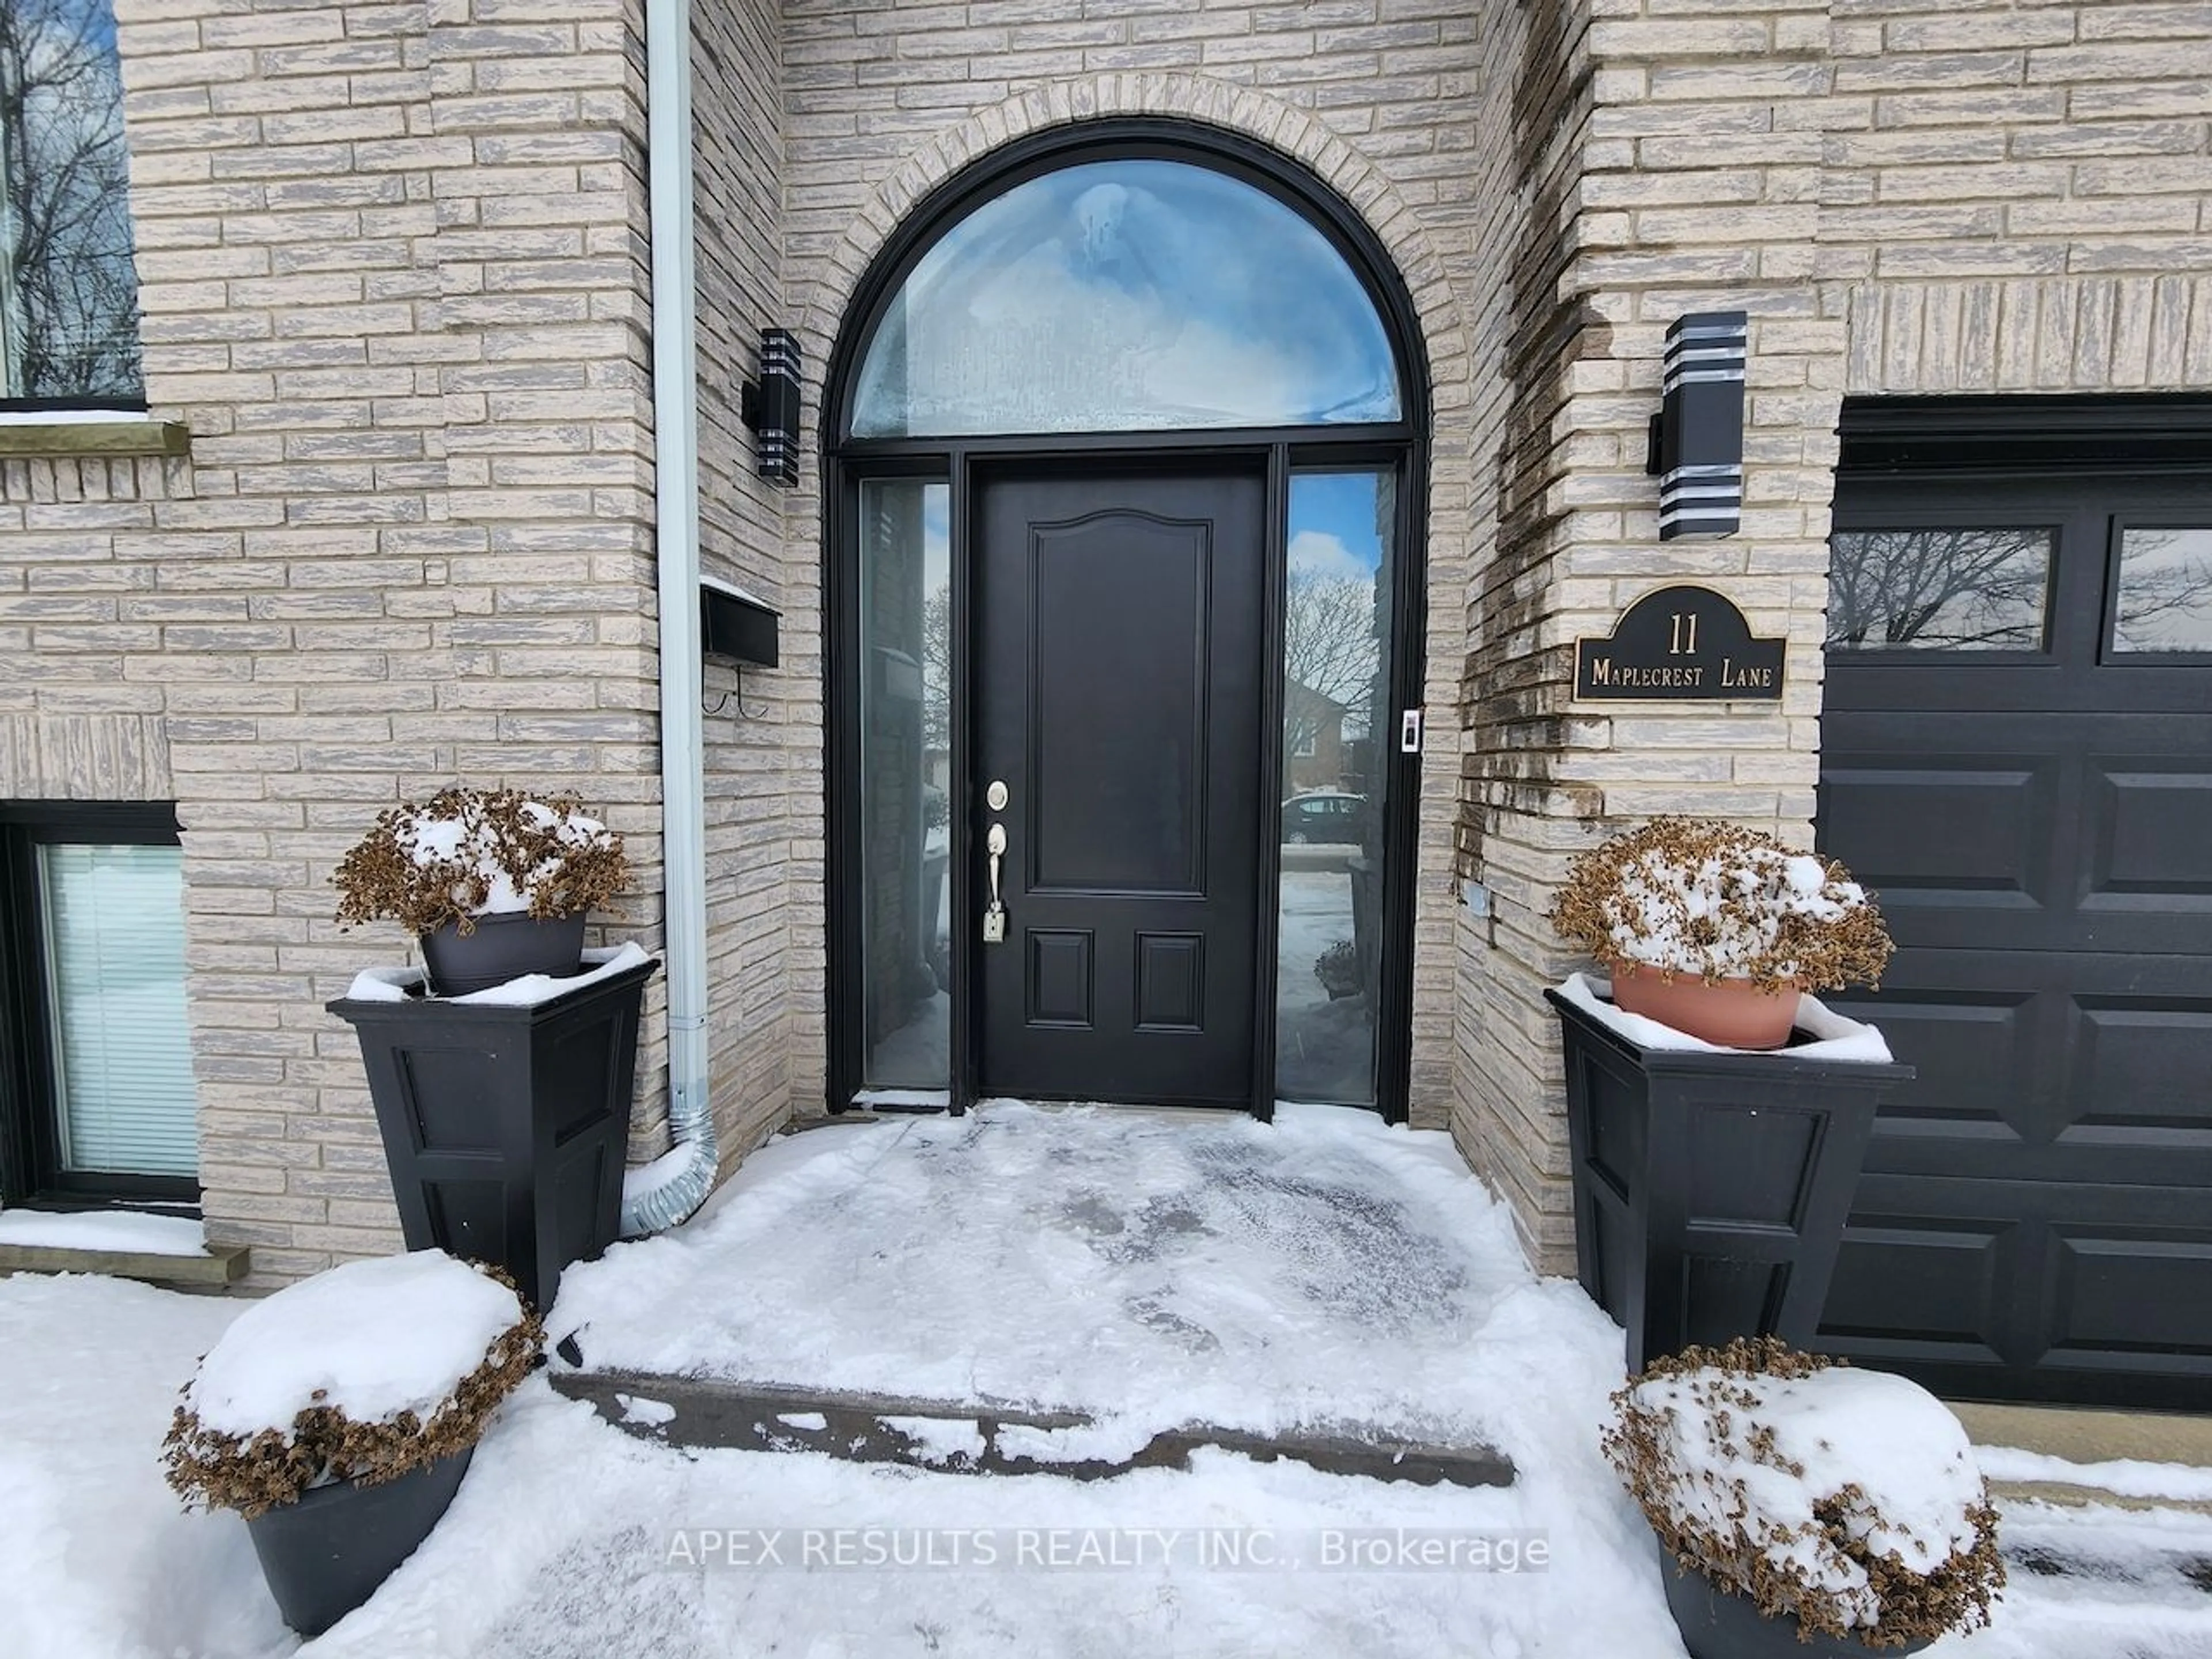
[1324, 815]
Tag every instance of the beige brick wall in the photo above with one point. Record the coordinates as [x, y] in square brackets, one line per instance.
[2019, 198]
[392, 279]
[72, 726]
[1539, 341]
[762, 737]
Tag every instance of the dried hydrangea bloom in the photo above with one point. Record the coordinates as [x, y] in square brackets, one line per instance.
[1721, 900]
[1847, 1500]
[471, 852]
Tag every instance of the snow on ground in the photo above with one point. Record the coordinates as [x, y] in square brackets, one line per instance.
[1163, 1268]
[97, 1561]
[132, 1232]
[1393, 1295]
[2098, 1583]
[2127, 1477]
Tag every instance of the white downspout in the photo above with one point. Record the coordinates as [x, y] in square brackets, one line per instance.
[675, 1184]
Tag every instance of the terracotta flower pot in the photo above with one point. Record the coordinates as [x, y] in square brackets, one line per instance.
[1734, 1013]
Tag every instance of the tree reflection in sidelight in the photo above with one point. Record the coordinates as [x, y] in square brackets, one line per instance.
[1337, 726]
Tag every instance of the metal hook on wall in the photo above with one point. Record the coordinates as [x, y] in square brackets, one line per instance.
[736, 695]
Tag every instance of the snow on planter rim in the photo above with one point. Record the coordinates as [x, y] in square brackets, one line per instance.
[373, 1338]
[1889, 1437]
[1835, 1037]
[601, 962]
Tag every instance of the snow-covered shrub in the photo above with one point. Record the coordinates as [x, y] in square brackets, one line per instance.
[1847, 1499]
[1697, 896]
[361, 1373]
[473, 852]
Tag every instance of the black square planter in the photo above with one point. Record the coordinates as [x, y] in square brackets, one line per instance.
[505, 1128]
[1710, 1188]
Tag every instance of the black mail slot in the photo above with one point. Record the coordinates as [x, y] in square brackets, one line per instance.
[732, 625]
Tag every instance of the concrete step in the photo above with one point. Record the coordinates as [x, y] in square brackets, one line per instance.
[967, 1438]
[2093, 1442]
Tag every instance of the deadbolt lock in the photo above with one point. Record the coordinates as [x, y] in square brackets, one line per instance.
[995, 797]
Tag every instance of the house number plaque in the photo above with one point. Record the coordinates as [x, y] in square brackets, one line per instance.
[1685, 644]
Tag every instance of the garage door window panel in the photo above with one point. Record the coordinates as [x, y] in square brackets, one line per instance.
[1941, 588]
[2162, 592]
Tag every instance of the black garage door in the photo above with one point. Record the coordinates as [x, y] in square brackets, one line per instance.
[2017, 756]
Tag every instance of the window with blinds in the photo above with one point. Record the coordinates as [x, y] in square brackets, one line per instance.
[112, 921]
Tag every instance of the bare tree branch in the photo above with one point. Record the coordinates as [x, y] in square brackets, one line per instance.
[1328, 647]
[1942, 588]
[2164, 590]
[69, 303]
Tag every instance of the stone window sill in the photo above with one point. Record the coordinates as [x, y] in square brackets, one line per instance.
[33, 435]
[222, 1265]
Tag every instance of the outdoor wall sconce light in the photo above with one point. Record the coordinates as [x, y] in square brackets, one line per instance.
[769, 406]
[1697, 436]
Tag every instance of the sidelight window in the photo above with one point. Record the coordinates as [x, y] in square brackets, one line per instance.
[1336, 686]
[906, 747]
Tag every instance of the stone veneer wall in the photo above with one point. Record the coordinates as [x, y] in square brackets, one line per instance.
[1539, 344]
[393, 278]
[1907, 196]
[763, 733]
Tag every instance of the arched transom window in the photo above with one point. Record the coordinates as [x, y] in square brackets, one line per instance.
[1130, 295]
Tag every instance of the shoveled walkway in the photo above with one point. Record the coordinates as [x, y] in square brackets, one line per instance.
[1105, 1276]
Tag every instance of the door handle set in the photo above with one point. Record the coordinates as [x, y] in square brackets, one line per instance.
[994, 844]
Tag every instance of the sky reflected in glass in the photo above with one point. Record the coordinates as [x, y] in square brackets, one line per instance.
[1127, 295]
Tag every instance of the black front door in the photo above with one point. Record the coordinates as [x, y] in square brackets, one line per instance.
[1117, 679]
